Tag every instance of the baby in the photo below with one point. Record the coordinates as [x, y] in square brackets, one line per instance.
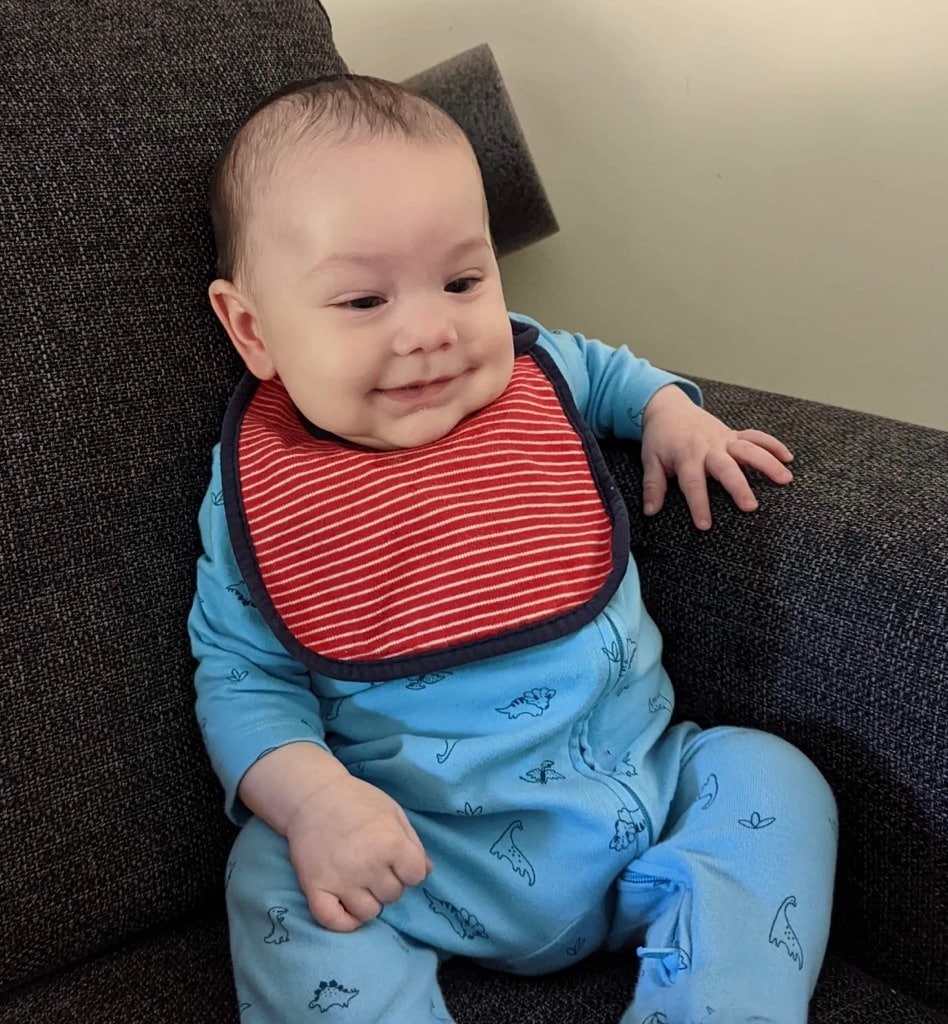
[426, 678]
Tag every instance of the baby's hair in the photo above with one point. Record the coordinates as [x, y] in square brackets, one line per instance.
[332, 109]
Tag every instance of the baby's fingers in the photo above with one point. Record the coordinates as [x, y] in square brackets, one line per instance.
[694, 486]
[752, 455]
[330, 912]
[387, 888]
[361, 904]
[654, 485]
[726, 470]
[768, 442]
[411, 866]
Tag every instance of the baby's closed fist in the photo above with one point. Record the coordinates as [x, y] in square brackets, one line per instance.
[353, 850]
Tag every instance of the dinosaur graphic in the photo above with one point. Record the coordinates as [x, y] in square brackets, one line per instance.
[278, 933]
[630, 768]
[621, 655]
[462, 921]
[659, 703]
[530, 702]
[331, 993]
[449, 746]
[782, 933]
[429, 679]
[331, 708]
[544, 774]
[620, 652]
[755, 821]
[241, 592]
[709, 791]
[505, 848]
[629, 824]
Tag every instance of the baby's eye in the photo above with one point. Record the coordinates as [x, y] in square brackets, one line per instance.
[363, 302]
[461, 285]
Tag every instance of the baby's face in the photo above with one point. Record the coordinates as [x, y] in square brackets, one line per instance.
[377, 294]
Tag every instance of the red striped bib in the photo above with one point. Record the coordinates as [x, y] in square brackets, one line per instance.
[391, 560]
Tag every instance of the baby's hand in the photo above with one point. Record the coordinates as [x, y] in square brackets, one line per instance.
[681, 439]
[353, 850]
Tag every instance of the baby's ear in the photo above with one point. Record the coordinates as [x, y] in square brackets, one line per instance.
[236, 314]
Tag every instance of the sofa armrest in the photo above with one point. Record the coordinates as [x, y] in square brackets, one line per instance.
[822, 617]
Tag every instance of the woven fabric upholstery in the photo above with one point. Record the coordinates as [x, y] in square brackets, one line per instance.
[111, 395]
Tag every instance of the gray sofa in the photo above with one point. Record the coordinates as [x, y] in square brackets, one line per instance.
[822, 617]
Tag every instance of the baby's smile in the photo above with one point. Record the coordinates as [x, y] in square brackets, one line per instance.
[419, 391]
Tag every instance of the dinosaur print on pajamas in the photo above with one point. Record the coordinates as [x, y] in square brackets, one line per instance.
[505, 848]
[462, 921]
[531, 702]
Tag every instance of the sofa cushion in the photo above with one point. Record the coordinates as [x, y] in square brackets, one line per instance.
[115, 376]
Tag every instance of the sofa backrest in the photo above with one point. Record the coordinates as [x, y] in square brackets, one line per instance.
[114, 378]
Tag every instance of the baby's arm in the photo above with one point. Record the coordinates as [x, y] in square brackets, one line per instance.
[264, 734]
[622, 395]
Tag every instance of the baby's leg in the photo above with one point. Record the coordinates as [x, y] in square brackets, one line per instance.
[288, 968]
[737, 891]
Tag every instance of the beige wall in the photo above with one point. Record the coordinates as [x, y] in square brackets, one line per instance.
[753, 190]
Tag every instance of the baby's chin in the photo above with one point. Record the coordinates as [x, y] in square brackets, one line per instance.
[422, 427]
[407, 440]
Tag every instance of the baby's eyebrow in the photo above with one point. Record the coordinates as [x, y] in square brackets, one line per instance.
[337, 259]
[351, 257]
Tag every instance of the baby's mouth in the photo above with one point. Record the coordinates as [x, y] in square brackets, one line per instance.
[418, 391]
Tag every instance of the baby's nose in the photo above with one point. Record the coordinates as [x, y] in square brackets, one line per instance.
[426, 327]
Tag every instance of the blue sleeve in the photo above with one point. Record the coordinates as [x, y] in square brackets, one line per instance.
[252, 697]
[610, 386]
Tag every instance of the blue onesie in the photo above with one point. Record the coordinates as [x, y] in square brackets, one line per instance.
[521, 721]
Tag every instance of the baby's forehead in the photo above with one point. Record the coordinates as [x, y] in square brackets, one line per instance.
[291, 160]
[296, 176]
[272, 165]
